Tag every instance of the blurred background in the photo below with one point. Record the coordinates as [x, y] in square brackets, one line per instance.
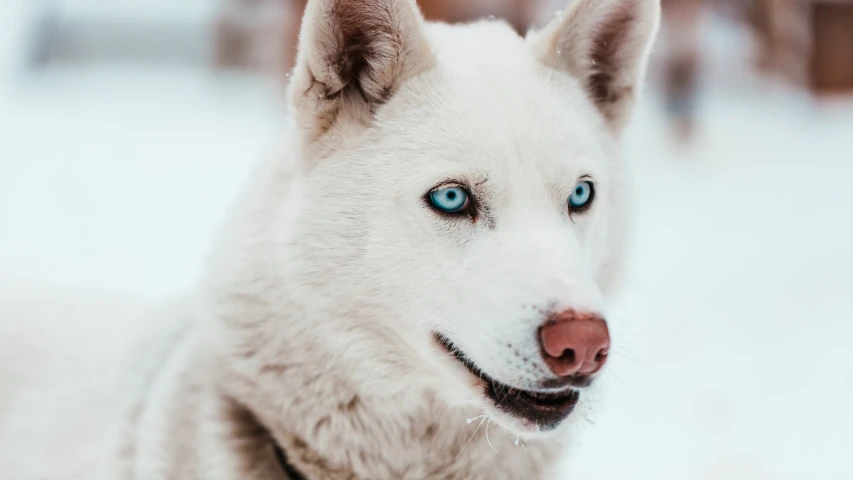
[128, 126]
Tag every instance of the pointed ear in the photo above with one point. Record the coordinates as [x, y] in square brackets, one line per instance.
[353, 55]
[605, 45]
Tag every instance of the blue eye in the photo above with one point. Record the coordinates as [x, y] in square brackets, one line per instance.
[581, 195]
[452, 199]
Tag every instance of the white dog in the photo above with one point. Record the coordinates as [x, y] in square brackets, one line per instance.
[434, 254]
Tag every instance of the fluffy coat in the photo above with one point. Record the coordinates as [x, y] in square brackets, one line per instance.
[313, 324]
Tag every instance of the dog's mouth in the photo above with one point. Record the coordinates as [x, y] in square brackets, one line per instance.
[544, 410]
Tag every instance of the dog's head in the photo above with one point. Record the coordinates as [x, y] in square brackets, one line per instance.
[457, 219]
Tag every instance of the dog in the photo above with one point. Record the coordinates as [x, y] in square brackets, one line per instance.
[432, 257]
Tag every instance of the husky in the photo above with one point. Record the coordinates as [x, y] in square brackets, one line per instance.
[417, 290]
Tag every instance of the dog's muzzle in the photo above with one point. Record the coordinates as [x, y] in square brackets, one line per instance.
[544, 409]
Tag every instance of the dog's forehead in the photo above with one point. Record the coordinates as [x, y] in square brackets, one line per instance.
[488, 62]
[489, 101]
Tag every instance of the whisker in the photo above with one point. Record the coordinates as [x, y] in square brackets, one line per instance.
[613, 374]
[487, 436]
[483, 415]
[472, 435]
[626, 355]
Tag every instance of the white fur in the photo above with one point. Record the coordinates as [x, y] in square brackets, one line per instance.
[314, 321]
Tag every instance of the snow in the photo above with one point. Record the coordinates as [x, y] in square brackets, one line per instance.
[191, 11]
[119, 178]
[733, 328]
[737, 313]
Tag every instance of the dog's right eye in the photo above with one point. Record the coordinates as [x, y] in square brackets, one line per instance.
[451, 199]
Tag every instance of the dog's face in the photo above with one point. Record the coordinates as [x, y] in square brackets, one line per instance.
[460, 214]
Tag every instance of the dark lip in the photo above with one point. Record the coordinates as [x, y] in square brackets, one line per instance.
[544, 409]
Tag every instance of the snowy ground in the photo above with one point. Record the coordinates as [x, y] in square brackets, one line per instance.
[117, 178]
[736, 318]
[740, 306]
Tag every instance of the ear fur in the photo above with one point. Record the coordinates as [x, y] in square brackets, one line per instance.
[605, 44]
[353, 55]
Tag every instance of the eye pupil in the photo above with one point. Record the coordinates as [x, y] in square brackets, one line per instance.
[451, 195]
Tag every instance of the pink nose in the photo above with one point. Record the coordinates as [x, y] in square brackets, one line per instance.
[575, 343]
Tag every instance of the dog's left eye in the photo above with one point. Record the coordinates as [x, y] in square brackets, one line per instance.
[450, 199]
[581, 197]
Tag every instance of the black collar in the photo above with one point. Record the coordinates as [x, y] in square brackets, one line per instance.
[289, 470]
